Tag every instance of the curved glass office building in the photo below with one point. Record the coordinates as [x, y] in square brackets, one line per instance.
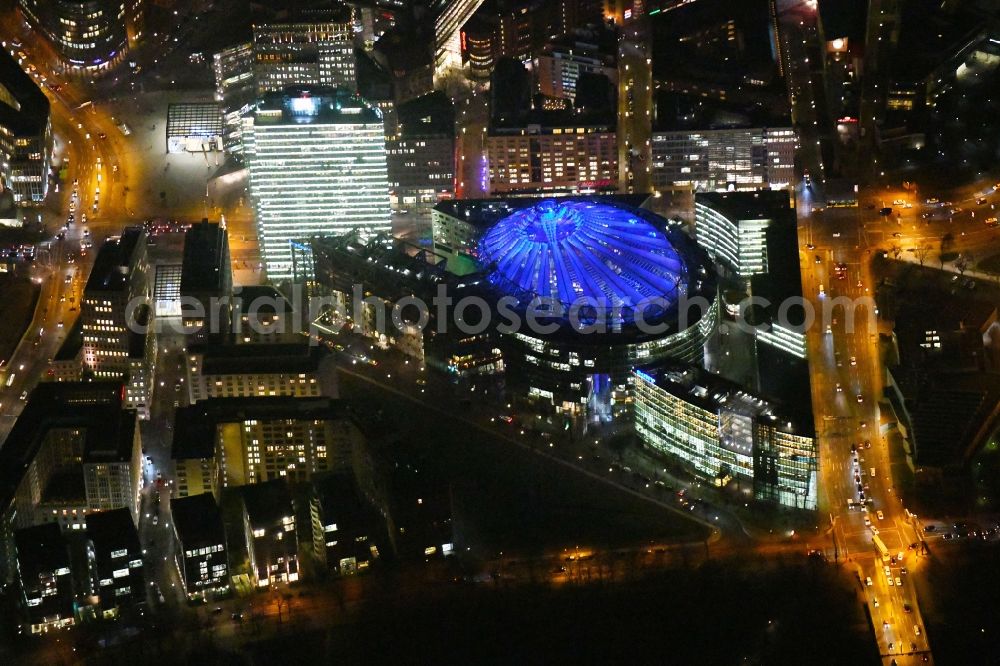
[597, 289]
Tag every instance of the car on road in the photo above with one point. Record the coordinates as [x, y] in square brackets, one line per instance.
[868, 521]
[69, 278]
[875, 602]
[888, 572]
[990, 221]
[854, 360]
[840, 389]
[932, 200]
[860, 398]
[907, 608]
[890, 582]
[868, 581]
[899, 582]
[880, 515]
[898, 202]
[981, 201]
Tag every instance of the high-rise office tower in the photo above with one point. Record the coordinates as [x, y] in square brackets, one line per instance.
[25, 134]
[311, 49]
[421, 155]
[452, 16]
[635, 107]
[235, 90]
[317, 168]
[118, 283]
[92, 35]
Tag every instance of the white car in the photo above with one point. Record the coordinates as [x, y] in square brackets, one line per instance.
[868, 522]
[879, 514]
[868, 581]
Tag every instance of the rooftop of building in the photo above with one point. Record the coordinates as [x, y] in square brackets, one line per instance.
[113, 530]
[65, 487]
[714, 393]
[933, 32]
[597, 42]
[222, 355]
[114, 261]
[341, 498]
[773, 205]
[197, 521]
[195, 425]
[678, 112]
[299, 11]
[783, 279]
[514, 110]
[73, 343]
[267, 503]
[205, 266]
[940, 330]
[41, 549]
[682, 46]
[136, 338]
[947, 410]
[315, 105]
[429, 115]
[95, 407]
[264, 298]
[31, 115]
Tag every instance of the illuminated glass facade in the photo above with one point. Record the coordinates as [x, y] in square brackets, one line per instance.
[88, 34]
[740, 243]
[25, 135]
[452, 16]
[317, 167]
[304, 53]
[724, 159]
[725, 433]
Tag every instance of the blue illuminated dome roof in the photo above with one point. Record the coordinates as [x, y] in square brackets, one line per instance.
[577, 251]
